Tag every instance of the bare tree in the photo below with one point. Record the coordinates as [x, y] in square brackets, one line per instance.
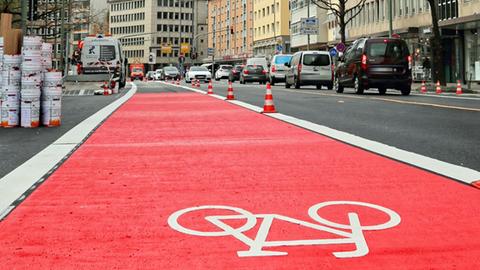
[343, 14]
[12, 7]
[436, 45]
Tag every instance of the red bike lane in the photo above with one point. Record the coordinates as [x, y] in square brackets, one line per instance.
[186, 181]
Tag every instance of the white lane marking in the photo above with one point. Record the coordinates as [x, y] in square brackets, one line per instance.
[463, 174]
[20, 180]
[82, 92]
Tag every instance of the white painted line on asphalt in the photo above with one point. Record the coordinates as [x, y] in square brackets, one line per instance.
[465, 175]
[17, 182]
[82, 92]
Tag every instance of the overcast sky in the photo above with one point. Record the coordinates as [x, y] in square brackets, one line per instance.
[98, 5]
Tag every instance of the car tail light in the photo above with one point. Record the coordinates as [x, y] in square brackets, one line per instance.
[409, 58]
[274, 69]
[245, 72]
[234, 71]
[264, 71]
[364, 62]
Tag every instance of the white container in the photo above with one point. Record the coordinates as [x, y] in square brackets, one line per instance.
[30, 111]
[11, 61]
[9, 116]
[32, 43]
[52, 112]
[10, 99]
[11, 77]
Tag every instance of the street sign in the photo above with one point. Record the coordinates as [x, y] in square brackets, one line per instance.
[152, 59]
[333, 52]
[185, 48]
[309, 26]
[210, 51]
[167, 49]
[340, 47]
[279, 48]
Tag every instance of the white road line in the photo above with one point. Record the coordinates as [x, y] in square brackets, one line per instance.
[82, 92]
[20, 180]
[465, 175]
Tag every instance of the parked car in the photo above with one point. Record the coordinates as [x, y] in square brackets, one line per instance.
[150, 75]
[199, 73]
[235, 73]
[278, 68]
[170, 73]
[223, 72]
[158, 74]
[310, 68]
[375, 63]
[254, 73]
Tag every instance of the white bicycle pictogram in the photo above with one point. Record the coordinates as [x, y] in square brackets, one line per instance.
[354, 235]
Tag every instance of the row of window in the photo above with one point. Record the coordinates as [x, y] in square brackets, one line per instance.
[266, 29]
[128, 29]
[174, 28]
[128, 17]
[173, 41]
[174, 16]
[138, 41]
[134, 53]
[265, 12]
[127, 5]
[175, 3]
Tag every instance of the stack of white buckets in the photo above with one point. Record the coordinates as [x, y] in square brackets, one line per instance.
[41, 90]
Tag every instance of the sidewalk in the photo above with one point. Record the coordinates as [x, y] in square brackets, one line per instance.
[111, 205]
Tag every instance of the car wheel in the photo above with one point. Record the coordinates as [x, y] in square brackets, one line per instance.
[358, 86]
[330, 86]
[296, 83]
[287, 85]
[319, 86]
[382, 90]
[242, 81]
[406, 91]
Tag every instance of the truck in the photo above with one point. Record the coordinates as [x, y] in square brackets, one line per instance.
[137, 71]
[102, 54]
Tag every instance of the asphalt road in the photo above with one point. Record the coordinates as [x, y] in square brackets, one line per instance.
[17, 145]
[446, 128]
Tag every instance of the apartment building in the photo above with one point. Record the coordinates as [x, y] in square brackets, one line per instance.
[231, 30]
[161, 27]
[459, 21]
[49, 23]
[271, 27]
[299, 10]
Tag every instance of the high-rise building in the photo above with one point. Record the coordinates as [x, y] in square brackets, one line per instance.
[162, 28]
[271, 27]
[231, 28]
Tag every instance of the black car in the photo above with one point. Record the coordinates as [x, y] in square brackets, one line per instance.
[383, 63]
[254, 73]
[235, 73]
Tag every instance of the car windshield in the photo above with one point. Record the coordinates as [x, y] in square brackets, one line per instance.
[226, 67]
[316, 60]
[137, 70]
[280, 60]
[392, 51]
[238, 68]
[198, 69]
[257, 68]
[171, 69]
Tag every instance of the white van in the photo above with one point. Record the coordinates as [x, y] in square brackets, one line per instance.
[104, 55]
[310, 68]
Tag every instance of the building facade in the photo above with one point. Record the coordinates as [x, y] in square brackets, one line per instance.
[301, 9]
[161, 28]
[230, 37]
[459, 22]
[271, 27]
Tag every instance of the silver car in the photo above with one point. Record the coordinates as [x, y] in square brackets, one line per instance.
[310, 68]
[278, 69]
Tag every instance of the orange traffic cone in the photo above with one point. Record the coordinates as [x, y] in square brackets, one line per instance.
[193, 82]
[105, 88]
[198, 83]
[459, 88]
[423, 90]
[210, 88]
[438, 90]
[178, 81]
[269, 106]
[230, 95]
